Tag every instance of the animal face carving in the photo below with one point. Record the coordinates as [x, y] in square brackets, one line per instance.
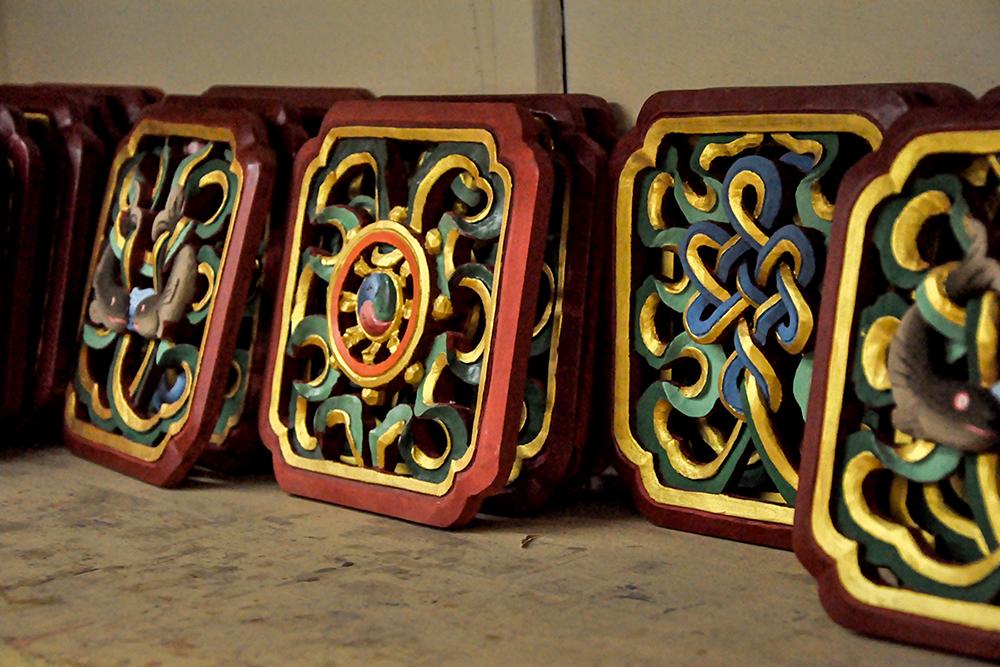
[929, 406]
[978, 411]
[150, 311]
[110, 305]
[147, 310]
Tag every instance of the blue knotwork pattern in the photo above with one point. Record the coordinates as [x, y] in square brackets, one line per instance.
[727, 315]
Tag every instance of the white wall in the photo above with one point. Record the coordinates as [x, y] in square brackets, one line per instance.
[430, 46]
[627, 49]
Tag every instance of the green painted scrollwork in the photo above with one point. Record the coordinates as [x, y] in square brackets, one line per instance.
[723, 320]
[925, 509]
[153, 287]
[393, 302]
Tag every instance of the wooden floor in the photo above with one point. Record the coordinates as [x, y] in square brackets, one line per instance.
[98, 569]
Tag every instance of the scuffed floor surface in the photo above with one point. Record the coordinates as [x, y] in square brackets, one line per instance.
[99, 569]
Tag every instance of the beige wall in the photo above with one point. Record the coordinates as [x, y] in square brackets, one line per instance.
[430, 46]
[4, 45]
[620, 49]
[627, 49]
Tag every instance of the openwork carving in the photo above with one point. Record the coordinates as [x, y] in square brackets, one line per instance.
[393, 305]
[406, 314]
[901, 524]
[732, 230]
[916, 477]
[169, 214]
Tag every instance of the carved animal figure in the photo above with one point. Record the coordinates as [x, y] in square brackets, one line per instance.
[961, 415]
[149, 311]
[109, 306]
[171, 214]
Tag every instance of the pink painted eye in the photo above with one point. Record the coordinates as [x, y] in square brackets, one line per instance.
[113, 299]
[960, 401]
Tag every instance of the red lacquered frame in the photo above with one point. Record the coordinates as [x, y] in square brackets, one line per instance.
[247, 228]
[312, 103]
[19, 236]
[893, 622]
[879, 104]
[75, 163]
[514, 133]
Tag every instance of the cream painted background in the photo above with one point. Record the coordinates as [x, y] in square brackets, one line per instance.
[621, 50]
[425, 46]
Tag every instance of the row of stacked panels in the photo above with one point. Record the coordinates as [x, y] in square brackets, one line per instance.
[58, 141]
[805, 340]
[433, 307]
[345, 293]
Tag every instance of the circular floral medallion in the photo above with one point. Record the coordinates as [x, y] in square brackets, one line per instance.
[378, 298]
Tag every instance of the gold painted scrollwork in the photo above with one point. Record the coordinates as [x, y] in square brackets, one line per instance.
[386, 292]
[875, 351]
[134, 399]
[910, 221]
[858, 469]
[471, 178]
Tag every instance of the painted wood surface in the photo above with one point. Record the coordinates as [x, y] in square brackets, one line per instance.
[74, 162]
[901, 531]
[312, 103]
[181, 225]
[401, 340]
[22, 171]
[724, 201]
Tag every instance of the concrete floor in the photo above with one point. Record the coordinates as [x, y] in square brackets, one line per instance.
[99, 569]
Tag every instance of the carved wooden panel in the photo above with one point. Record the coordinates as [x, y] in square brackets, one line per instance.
[899, 510]
[20, 196]
[403, 333]
[181, 227]
[71, 185]
[725, 201]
